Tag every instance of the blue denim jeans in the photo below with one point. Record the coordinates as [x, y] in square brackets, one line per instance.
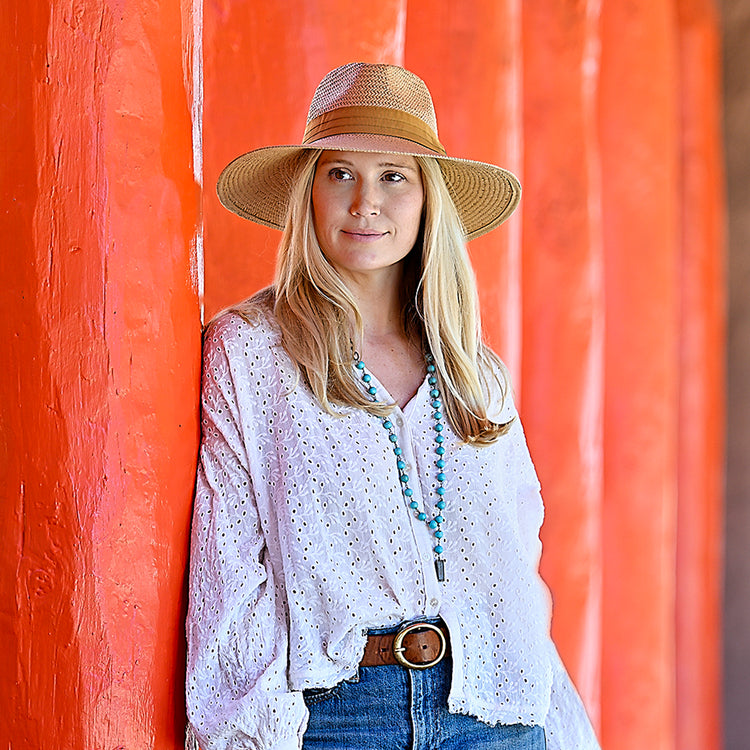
[393, 708]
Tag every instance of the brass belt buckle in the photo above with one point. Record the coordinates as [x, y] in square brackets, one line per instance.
[398, 647]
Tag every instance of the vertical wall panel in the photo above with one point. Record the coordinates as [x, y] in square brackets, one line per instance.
[563, 309]
[583, 101]
[37, 555]
[701, 426]
[638, 121]
[99, 387]
[472, 63]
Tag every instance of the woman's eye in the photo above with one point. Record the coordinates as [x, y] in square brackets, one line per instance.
[340, 174]
[393, 177]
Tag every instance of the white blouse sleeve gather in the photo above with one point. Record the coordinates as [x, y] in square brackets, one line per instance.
[237, 627]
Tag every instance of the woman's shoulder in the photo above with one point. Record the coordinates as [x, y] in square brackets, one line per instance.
[251, 323]
[242, 346]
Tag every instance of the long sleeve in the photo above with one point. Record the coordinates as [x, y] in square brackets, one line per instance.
[567, 726]
[237, 626]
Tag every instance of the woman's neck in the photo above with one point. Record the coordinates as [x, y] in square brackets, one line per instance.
[388, 351]
[380, 306]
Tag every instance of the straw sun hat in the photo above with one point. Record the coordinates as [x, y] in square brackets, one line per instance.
[372, 108]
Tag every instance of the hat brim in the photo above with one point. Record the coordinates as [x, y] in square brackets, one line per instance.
[257, 185]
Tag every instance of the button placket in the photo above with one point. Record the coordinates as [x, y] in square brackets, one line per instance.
[411, 465]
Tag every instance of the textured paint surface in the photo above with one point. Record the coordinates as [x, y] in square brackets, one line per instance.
[593, 105]
[563, 305]
[99, 392]
[607, 111]
[702, 378]
[638, 121]
[479, 121]
[604, 293]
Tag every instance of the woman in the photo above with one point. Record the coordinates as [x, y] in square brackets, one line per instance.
[365, 543]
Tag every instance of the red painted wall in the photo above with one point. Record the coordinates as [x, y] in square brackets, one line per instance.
[100, 324]
[638, 121]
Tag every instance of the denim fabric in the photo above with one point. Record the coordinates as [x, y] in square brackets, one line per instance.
[392, 708]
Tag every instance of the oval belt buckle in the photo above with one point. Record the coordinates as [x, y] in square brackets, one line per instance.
[398, 648]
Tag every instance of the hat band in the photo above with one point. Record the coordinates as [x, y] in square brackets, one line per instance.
[372, 121]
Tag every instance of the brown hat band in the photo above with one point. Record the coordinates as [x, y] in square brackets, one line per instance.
[372, 121]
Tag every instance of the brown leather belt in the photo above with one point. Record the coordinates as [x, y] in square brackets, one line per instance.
[416, 645]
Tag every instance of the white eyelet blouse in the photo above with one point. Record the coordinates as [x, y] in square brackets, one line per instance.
[302, 540]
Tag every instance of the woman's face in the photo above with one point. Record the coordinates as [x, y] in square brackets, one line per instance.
[367, 210]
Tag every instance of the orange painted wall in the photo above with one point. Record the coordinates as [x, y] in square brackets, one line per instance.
[604, 293]
[101, 339]
[563, 318]
[700, 455]
[638, 122]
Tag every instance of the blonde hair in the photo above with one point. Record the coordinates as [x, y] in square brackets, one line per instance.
[315, 310]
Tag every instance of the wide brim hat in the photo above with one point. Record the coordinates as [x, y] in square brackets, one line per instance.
[370, 108]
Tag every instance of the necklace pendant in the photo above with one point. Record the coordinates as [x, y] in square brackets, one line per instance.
[440, 568]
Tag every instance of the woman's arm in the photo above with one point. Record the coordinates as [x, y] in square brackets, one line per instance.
[237, 626]
[567, 725]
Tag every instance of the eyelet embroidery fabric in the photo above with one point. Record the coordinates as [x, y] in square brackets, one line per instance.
[302, 541]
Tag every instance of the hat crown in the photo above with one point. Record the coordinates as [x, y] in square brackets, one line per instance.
[374, 85]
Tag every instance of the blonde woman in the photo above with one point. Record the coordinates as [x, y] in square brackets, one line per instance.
[365, 543]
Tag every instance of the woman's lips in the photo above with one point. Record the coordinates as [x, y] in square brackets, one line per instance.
[364, 235]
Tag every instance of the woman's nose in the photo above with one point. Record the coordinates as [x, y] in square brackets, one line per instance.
[365, 201]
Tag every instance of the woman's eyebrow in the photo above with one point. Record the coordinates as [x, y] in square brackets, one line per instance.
[388, 164]
[396, 165]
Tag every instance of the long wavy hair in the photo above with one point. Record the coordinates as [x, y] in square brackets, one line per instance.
[315, 311]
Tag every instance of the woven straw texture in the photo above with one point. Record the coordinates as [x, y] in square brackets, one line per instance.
[257, 185]
[358, 85]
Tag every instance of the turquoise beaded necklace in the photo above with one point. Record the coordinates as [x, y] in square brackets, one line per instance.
[435, 523]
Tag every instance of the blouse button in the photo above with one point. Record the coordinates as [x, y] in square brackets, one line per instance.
[433, 602]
